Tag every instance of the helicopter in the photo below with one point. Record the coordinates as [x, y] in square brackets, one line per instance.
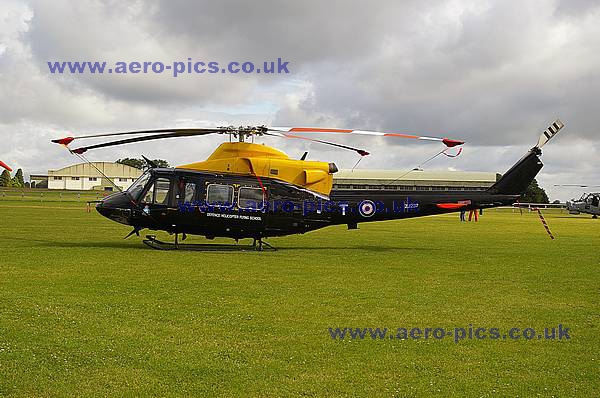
[249, 190]
[589, 203]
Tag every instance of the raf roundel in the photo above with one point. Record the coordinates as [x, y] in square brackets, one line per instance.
[366, 208]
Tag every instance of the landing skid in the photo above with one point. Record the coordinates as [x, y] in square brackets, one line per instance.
[258, 245]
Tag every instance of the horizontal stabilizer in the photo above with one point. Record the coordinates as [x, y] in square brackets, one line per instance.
[450, 206]
[576, 185]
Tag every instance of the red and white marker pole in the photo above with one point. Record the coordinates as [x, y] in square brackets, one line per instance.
[544, 222]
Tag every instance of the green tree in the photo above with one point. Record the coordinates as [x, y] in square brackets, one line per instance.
[161, 163]
[534, 194]
[137, 163]
[141, 163]
[5, 180]
[18, 180]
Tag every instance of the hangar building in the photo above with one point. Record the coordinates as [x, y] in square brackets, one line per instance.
[84, 176]
[414, 180]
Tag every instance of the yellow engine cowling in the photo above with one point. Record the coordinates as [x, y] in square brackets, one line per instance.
[264, 161]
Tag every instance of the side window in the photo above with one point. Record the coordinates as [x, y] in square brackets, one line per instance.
[161, 191]
[186, 190]
[219, 195]
[251, 198]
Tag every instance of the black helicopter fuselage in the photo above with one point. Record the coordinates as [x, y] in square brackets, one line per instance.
[244, 206]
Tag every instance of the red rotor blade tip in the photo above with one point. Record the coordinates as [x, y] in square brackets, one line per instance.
[64, 141]
[452, 143]
[2, 164]
[79, 151]
[363, 153]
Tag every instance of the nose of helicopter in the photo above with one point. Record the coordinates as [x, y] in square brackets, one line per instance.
[117, 207]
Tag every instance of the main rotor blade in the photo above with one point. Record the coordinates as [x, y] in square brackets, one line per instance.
[361, 152]
[2, 164]
[173, 134]
[576, 185]
[447, 141]
[68, 140]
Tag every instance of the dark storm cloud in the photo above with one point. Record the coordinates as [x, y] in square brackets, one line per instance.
[576, 8]
[494, 77]
[302, 31]
[124, 32]
[493, 72]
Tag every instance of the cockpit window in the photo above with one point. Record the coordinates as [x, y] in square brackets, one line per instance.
[158, 192]
[138, 186]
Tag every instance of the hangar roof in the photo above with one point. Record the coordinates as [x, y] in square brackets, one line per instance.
[110, 169]
[416, 175]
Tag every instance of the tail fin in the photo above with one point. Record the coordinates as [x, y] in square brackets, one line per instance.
[516, 180]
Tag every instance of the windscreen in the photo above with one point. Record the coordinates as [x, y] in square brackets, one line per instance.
[138, 186]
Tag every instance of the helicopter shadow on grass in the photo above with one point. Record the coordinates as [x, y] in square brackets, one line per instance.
[577, 217]
[89, 244]
[366, 248]
[229, 248]
[283, 249]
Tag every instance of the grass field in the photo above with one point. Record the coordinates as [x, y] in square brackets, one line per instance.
[84, 312]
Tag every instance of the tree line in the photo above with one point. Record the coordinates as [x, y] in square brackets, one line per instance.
[141, 163]
[17, 181]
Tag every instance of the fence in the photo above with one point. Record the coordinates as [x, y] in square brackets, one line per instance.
[52, 196]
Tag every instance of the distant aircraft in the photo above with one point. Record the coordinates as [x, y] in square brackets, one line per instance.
[589, 203]
[2, 164]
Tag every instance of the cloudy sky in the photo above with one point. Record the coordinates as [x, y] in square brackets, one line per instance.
[493, 73]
